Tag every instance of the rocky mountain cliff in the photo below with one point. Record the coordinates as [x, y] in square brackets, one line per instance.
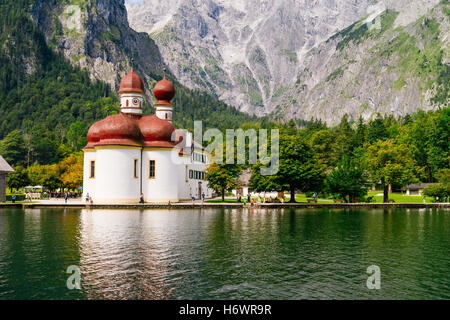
[285, 57]
[94, 34]
[363, 71]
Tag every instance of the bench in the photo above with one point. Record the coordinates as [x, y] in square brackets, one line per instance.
[311, 200]
[391, 201]
[338, 200]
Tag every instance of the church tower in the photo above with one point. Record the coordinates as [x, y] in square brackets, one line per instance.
[131, 94]
[164, 93]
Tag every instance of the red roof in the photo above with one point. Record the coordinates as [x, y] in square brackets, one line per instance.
[164, 91]
[131, 83]
[124, 130]
[114, 130]
[157, 132]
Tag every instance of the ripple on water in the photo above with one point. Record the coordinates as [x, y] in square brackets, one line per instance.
[225, 254]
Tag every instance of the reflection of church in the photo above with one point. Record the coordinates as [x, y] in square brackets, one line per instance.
[128, 154]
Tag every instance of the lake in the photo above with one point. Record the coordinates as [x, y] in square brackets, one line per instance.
[225, 253]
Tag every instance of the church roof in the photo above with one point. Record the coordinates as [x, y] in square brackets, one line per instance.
[132, 129]
[131, 83]
[164, 91]
[4, 166]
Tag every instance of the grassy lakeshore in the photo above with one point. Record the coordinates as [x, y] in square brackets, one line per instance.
[377, 195]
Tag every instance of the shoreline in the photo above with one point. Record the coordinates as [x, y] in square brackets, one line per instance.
[226, 205]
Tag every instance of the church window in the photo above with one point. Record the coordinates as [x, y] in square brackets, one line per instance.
[127, 103]
[151, 169]
[135, 168]
[92, 171]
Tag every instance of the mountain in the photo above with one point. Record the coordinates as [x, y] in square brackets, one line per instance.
[62, 61]
[95, 35]
[255, 55]
[362, 71]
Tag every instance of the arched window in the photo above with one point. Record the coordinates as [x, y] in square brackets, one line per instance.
[127, 103]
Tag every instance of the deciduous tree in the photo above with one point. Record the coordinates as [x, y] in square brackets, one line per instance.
[388, 163]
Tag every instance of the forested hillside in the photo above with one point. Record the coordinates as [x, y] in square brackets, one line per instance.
[53, 103]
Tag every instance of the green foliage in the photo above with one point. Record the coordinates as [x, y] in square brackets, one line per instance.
[18, 179]
[54, 103]
[222, 177]
[359, 31]
[76, 136]
[439, 192]
[376, 130]
[427, 136]
[298, 168]
[12, 148]
[348, 180]
[391, 163]
[335, 74]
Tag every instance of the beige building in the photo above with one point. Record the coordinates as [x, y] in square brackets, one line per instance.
[4, 169]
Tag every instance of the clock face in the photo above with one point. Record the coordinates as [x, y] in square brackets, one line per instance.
[135, 101]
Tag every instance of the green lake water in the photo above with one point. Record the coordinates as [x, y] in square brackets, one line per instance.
[224, 253]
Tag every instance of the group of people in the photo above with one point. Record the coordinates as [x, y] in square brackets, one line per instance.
[89, 198]
[69, 194]
[262, 199]
[202, 198]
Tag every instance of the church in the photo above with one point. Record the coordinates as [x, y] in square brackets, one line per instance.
[130, 154]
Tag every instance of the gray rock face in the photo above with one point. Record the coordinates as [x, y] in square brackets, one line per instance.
[94, 34]
[363, 71]
[252, 54]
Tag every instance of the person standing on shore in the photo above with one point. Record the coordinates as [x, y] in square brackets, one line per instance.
[13, 198]
[424, 199]
[141, 199]
[65, 197]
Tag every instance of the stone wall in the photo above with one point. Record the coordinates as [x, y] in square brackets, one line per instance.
[2, 187]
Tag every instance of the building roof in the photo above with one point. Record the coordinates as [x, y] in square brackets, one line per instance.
[164, 91]
[4, 166]
[131, 83]
[136, 130]
[415, 186]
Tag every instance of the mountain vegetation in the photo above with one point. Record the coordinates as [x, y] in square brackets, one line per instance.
[53, 103]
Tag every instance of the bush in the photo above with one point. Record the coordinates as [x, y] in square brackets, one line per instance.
[440, 192]
[19, 197]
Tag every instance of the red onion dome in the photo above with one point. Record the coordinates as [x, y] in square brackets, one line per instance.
[131, 83]
[93, 135]
[157, 132]
[120, 130]
[164, 91]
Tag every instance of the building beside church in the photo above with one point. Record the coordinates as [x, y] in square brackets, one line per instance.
[4, 169]
[130, 154]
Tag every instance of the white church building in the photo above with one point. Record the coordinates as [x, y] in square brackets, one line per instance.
[130, 154]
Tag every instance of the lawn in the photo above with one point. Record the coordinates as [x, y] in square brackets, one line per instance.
[398, 197]
[301, 197]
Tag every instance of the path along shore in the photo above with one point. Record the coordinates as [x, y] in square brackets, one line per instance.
[199, 204]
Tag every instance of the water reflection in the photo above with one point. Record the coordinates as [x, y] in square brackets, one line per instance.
[252, 253]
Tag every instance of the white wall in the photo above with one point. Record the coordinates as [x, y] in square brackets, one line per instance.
[131, 98]
[189, 188]
[164, 186]
[88, 183]
[164, 112]
[115, 182]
